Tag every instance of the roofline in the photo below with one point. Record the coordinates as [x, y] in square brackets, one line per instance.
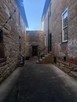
[47, 2]
[21, 8]
[33, 30]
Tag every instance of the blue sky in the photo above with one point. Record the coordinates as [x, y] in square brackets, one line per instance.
[34, 9]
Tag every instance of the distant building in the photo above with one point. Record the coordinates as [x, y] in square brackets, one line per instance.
[60, 26]
[13, 25]
[35, 43]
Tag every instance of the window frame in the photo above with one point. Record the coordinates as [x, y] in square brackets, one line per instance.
[64, 27]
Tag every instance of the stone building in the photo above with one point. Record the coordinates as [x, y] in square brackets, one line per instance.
[34, 43]
[46, 22]
[59, 21]
[12, 35]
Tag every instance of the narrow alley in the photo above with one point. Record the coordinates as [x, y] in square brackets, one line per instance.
[43, 83]
[38, 50]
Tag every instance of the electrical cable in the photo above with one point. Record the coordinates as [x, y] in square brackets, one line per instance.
[7, 20]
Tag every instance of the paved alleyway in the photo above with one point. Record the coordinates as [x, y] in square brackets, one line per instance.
[43, 83]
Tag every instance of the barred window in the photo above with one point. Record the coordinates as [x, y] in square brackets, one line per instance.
[65, 26]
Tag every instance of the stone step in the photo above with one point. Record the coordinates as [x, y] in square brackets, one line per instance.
[47, 59]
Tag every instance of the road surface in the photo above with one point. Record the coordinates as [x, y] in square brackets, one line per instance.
[43, 83]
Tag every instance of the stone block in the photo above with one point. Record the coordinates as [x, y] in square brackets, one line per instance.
[74, 73]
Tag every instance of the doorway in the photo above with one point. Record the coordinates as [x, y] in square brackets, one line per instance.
[34, 50]
[49, 42]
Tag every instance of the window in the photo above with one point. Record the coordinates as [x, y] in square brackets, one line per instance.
[1, 36]
[65, 26]
[2, 55]
[19, 43]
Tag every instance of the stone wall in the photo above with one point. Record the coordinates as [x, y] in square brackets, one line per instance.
[59, 49]
[11, 33]
[68, 68]
[46, 21]
[68, 49]
[23, 37]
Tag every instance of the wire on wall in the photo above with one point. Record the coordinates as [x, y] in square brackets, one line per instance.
[7, 20]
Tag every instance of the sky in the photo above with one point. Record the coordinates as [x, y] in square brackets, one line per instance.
[34, 10]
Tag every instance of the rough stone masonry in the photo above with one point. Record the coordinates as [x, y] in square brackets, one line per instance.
[9, 46]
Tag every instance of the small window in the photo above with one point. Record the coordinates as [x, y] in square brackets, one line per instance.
[19, 43]
[2, 55]
[65, 26]
[1, 36]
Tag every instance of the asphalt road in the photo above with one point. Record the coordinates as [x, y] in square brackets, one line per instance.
[43, 83]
